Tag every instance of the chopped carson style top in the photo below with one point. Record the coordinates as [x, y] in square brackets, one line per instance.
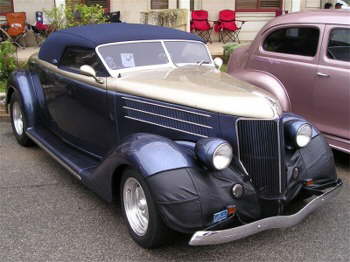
[91, 36]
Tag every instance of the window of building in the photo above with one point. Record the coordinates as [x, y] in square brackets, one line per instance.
[159, 4]
[293, 40]
[75, 57]
[258, 5]
[6, 6]
[192, 4]
[104, 3]
[339, 44]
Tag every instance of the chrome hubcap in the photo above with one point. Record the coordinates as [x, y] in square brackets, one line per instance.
[135, 205]
[17, 118]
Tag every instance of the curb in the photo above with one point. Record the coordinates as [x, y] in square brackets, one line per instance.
[3, 115]
[5, 118]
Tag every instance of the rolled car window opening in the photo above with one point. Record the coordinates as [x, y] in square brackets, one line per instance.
[293, 40]
[130, 55]
[339, 44]
[185, 52]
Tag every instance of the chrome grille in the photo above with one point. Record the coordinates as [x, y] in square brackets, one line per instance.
[259, 144]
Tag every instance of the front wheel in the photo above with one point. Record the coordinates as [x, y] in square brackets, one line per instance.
[144, 223]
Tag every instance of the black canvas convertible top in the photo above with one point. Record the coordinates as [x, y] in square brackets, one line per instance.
[90, 36]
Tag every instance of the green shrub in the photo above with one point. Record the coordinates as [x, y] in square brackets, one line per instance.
[84, 15]
[7, 60]
[228, 49]
[56, 17]
[74, 15]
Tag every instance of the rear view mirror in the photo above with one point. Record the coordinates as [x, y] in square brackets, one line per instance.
[218, 62]
[89, 71]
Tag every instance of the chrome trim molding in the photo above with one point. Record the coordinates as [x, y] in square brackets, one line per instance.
[75, 174]
[203, 238]
[339, 148]
[168, 107]
[168, 117]
[172, 128]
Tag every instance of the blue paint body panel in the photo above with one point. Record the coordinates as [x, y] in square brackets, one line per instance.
[95, 133]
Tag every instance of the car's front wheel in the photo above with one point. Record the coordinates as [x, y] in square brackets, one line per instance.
[144, 223]
[19, 121]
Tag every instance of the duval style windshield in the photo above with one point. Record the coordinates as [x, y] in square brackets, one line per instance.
[140, 54]
[185, 52]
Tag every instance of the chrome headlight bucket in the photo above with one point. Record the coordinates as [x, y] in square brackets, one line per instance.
[214, 152]
[300, 132]
[304, 135]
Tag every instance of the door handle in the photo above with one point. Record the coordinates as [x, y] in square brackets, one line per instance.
[320, 74]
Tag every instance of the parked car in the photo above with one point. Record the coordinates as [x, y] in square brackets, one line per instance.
[304, 60]
[141, 112]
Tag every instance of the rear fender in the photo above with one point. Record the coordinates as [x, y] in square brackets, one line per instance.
[269, 83]
[21, 84]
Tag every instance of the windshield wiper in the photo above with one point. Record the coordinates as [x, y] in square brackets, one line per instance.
[203, 62]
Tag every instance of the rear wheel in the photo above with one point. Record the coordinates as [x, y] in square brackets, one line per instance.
[19, 121]
[144, 223]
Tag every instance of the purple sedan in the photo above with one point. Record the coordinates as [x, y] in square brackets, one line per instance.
[304, 60]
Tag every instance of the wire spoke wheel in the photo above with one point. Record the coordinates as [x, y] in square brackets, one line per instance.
[135, 205]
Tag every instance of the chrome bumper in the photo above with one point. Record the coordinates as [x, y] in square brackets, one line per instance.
[203, 238]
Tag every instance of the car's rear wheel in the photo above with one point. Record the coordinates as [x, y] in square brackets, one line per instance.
[144, 223]
[19, 121]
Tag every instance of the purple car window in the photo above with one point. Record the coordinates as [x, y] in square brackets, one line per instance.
[339, 44]
[293, 40]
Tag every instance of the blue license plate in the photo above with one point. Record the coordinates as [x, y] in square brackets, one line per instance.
[219, 216]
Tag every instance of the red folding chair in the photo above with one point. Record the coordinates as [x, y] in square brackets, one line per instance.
[16, 23]
[226, 26]
[200, 24]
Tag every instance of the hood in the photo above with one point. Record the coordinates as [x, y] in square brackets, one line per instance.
[200, 87]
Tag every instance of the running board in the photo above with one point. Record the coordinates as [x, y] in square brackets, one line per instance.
[76, 162]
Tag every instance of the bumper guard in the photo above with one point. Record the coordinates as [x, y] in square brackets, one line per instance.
[203, 238]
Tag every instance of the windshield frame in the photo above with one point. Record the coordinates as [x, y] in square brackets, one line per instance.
[170, 63]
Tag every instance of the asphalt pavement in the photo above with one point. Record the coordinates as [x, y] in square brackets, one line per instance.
[47, 215]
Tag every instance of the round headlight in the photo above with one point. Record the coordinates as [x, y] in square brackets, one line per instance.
[215, 153]
[222, 156]
[304, 135]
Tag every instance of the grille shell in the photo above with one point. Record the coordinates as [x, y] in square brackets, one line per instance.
[259, 150]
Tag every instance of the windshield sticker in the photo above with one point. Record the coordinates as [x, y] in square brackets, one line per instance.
[127, 59]
[110, 62]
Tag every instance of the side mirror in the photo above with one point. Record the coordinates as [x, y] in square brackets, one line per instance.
[218, 62]
[89, 71]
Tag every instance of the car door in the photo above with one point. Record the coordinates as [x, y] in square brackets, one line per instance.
[331, 99]
[77, 104]
[290, 53]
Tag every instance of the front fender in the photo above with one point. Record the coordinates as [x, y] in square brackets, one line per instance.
[147, 153]
[21, 84]
[267, 82]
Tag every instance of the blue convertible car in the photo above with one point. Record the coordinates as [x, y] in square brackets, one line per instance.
[143, 114]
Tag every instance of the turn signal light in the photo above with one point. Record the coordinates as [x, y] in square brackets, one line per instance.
[309, 182]
[231, 210]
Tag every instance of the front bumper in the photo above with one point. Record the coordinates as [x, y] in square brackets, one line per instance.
[202, 238]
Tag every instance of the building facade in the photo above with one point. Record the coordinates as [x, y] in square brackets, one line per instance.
[255, 12]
